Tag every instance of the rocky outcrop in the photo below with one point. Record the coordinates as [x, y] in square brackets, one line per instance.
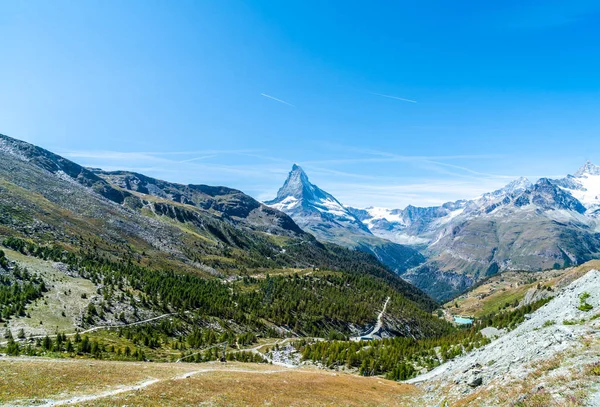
[516, 354]
[227, 203]
[535, 294]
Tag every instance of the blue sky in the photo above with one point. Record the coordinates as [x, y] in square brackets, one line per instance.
[177, 90]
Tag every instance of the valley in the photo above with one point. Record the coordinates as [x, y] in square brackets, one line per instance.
[549, 359]
[212, 295]
[299, 204]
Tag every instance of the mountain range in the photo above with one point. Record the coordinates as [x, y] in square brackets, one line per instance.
[220, 232]
[210, 250]
[185, 271]
[552, 223]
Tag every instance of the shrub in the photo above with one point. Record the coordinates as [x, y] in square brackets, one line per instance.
[583, 305]
[548, 323]
[595, 369]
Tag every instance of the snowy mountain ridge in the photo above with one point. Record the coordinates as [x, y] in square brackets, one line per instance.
[300, 197]
[320, 213]
[522, 226]
[582, 194]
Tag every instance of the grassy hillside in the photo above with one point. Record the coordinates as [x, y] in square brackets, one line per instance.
[120, 248]
[508, 290]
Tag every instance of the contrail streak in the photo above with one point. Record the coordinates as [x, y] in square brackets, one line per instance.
[393, 97]
[278, 100]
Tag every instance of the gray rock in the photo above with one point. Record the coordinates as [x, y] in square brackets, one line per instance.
[492, 333]
[475, 380]
[516, 353]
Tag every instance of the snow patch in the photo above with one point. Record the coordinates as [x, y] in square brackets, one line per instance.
[332, 207]
[384, 213]
[286, 204]
[589, 194]
[446, 219]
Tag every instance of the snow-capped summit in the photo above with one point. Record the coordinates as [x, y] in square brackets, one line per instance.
[320, 213]
[298, 186]
[517, 186]
[299, 194]
[588, 168]
[512, 188]
[584, 185]
[300, 197]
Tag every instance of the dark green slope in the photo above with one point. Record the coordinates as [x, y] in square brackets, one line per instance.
[181, 241]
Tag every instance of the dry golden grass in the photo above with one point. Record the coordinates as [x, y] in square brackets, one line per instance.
[30, 381]
[547, 365]
[263, 387]
[37, 378]
[576, 272]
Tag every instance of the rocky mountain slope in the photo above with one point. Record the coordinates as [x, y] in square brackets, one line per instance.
[320, 213]
[509, 290]
[548, 359]
[187, 248]
[523, 226]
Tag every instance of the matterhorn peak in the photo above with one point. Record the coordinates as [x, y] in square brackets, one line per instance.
[588, 168]
[315, 209]
[296, 186]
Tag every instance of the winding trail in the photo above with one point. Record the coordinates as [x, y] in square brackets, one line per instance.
[145, 321]
[200, 351]
[140, 386]
[96, 328]
[377, 326]
[91, 397]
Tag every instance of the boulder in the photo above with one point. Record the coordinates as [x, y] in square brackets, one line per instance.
[474, 380]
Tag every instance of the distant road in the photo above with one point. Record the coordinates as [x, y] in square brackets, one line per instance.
[377, 326]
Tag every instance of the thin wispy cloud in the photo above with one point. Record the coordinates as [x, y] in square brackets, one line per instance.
[392, 158]
[204, 157]
[277, 100]
[398, 196]
[129, 155]
[370, 156]
[396, 181]
[393, 97]
[470, 171]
